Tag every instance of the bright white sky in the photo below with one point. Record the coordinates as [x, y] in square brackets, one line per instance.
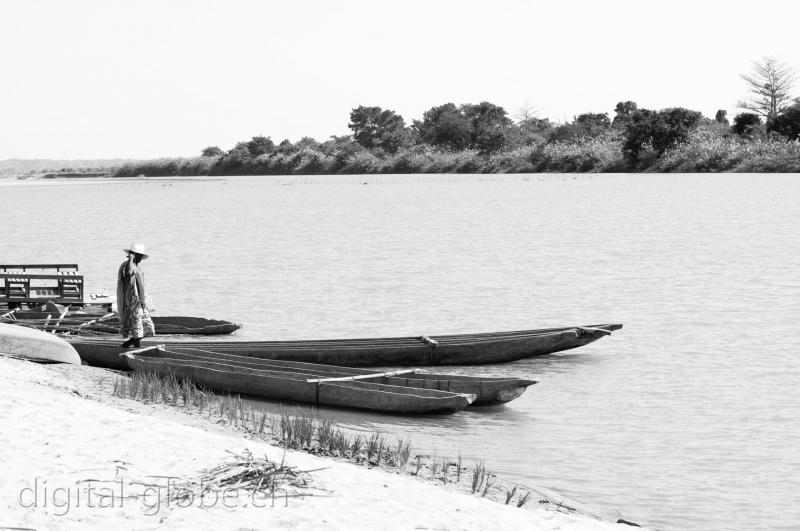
[107, 78]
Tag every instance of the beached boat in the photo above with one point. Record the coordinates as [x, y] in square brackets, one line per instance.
[465, 349]
[92, 323]
[487, 390]
[174, 325]
[298, 382]
[23, 342]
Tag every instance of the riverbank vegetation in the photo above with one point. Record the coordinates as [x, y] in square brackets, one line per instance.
[670, 140]
[481, 138]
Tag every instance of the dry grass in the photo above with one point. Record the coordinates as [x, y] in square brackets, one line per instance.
[258, 476]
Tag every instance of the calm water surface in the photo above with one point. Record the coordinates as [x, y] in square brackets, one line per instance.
[685, 419]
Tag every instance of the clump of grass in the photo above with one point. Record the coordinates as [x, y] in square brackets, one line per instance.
[262, 421]
[487, 484]
[402, 453]
[133, 388]
[297, 429]
[417, 464]
[375, 448]
[523, 499]
[445, 469]
[119, 387]
[340, 443]
[356, 447]
[510, 495]
[304, 428]
[478, 476]
[325, 432]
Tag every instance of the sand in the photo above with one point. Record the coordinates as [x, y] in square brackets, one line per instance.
[57, 431]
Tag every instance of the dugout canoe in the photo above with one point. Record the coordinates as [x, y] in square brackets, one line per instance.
[298, 382]
[92, 324]
[463, 349]
[487, 390]
[175, 325]
[23, 342]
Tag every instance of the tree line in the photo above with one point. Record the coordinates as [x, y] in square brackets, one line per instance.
[481, 137]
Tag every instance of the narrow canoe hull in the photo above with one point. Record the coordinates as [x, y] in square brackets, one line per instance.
[296, 387]
[80, 322]
[466, 349]
[486, 390]
[23, 342]
[176, 325]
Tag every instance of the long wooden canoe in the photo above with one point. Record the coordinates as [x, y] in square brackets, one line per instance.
[23, 342]
[299, 384]
[464, 349]
[172, 325]
[93, 324]
[487, 390]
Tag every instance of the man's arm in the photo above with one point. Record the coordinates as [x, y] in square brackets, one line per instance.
[140, 287]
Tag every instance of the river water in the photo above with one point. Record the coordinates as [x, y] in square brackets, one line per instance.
[685, 419]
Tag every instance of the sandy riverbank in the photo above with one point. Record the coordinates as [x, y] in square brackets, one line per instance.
[59, 431]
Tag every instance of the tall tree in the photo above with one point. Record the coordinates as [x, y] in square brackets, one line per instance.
[594, 120]
[770, 85]
[525, 112]
[788, 122]
[658, 130]
[722, 117]
[374, 127]
[623, 112]
[746, 123]
[489, 125]
[445, 126]
[285, 146]
[533, 131]
[260, 145]
[306, 142]
[212, 151]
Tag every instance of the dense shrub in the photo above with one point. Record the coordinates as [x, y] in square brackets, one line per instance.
[167, 167]
[744, 123]
[658, 130]
[709, 152]
[602, 154]
[410, 160]
[518, 160]
[788, 122]
[313, 162]
[361, 162]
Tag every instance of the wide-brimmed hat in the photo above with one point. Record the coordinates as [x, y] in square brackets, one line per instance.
[137, 248]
